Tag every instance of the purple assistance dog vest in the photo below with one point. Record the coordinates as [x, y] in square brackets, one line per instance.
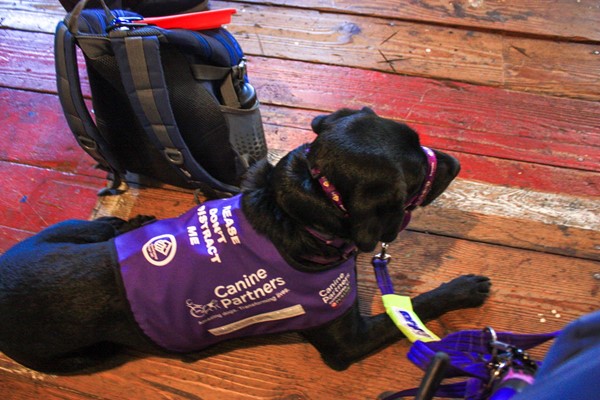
[208, 276]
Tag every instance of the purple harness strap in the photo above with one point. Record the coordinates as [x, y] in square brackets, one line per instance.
[345, 249]
[470, 356]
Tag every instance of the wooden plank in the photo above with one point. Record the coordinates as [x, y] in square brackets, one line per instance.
[409, 48]
[36, 133]
[31, 15]
[369, 43]
[550, 223]
[533, 176]
[284, 132]
[419, 50]
[24, 384]
[34, 198]
[535, 67]
[520, 277]
[27, 60]
[508, 231]
[544, 222]
[460, 117]
[558, 209]
[565, 19]
[562, 19]
[239, 374]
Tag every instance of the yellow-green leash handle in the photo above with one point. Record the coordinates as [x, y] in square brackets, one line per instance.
[400, 310]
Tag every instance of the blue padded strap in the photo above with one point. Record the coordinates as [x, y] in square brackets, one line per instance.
[76, 113]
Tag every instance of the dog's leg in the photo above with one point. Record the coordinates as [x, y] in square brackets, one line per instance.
[91, 359]
[122, 226]
[79, 231]
[352, 336]
[59, 302]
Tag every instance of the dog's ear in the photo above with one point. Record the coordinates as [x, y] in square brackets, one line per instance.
[376, 213]
[318, 124]
[322, 122]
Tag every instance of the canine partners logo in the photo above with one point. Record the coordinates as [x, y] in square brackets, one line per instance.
[160, 250]
[202, 310]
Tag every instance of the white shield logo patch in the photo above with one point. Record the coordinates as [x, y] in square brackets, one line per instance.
[160, 250]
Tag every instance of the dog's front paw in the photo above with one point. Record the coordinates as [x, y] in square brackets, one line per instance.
[335, 363]
[465, 291]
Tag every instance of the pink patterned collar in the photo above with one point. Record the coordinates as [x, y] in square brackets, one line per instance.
[332, 193]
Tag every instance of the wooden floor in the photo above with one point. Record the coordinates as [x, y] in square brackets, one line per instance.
[510, 87]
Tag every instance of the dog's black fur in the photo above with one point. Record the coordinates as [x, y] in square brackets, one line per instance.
[60, 307]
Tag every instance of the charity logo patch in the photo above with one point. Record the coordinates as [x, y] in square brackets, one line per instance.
[160, 250]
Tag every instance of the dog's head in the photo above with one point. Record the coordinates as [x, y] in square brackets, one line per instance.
[376, 165]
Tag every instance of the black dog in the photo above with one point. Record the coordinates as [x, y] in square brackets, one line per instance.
[64, 306]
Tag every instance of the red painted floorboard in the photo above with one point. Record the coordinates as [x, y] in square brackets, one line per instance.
[283, 132]
[461, 117]
[35, 132]
[34, 198]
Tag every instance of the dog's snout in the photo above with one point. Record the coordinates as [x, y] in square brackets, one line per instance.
[453, 166]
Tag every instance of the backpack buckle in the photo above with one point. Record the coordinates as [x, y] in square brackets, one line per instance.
[124, 23]
[87, 143]
[174, 156]
[239, 71]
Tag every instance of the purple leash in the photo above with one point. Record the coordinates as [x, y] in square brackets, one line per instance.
[380, 262]
[485, 358]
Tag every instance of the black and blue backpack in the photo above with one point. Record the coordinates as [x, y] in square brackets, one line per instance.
[170, 106]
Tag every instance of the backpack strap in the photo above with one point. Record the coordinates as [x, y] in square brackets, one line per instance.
[224, 74]
[76, 113]
[142, 74]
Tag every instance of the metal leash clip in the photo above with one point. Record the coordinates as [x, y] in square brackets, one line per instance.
[383, 254]
[511, 368]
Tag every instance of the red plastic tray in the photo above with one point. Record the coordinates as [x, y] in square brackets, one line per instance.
[194, 21]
